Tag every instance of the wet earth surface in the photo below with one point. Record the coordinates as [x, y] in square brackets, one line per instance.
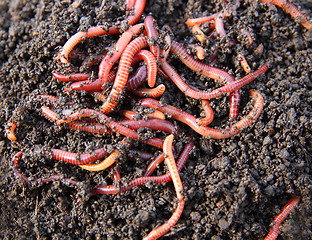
[233, 187]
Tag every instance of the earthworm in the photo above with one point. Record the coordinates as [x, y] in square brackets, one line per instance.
[9, 131]
[123, 72]
[152, 36]
[199, 67]
[91, 60]
[212, 18]
[51, 115]
[138, 78]
[72, 77]
[154, 124]
[153, 165]
[249, 37]
[150, 92]
[229, 87]
[90, 86]
[117, 176]
[134, 116]
[164, 228]
[111, 189]
[137, 154]
[252, 116]
[198, 33]
[115, 126]
[100, 96]
[95, 128]
[130, 4]
[17, 173]
[259, 49]
[200, 51]
[243, 62]
[209, 115]
[201, 20]
[99, 30]
[292, 10]
[286, 210]
[150, 61]
[78, 159]
[111, 57]
[190, 120]
[234, 104]
[219, 25]
[107, 162]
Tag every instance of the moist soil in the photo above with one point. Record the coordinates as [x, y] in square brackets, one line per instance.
[233, 187]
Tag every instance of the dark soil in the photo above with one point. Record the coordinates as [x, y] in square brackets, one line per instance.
[233, 187]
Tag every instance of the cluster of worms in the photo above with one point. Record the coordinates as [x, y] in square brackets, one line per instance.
[143, 42]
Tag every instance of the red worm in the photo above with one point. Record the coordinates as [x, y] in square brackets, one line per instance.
[200, 51]
[219, 25]
[111, 57]
[90, 86]
[209, 115]
[243, 62]
[117, 176]
[9, 131]
[203, 69]
[201, 20]
[152, 36]
[150, 61]
[115, 126]
[123, 72]
[135, 116]
[229, 87]
[164, 228]
[95, 128]
[17, 173]
[99, 30]
[153, 165]
[100, 96]
[107, 162]
[190, 120]
[252, 116]
[154, 124]
[286, 210]
[198, 33]
[51, 115]
[110, 189]
[249, 37]
[137, 79]
[91, 60]
[137, 154]
[78, 159]
[72, 77]
[150, 92]
[234, 104]
[292, 10]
